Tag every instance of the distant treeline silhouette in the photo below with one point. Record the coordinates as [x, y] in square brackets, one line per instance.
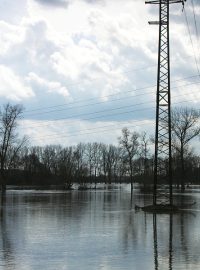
[130, 161]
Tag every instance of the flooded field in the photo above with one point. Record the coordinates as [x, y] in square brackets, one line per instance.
[96, 229]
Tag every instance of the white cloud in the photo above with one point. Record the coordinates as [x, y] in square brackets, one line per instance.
[12, 86]
[87, 49]
[45, 85]
[13, 12]
[81, 58]
[9, 36]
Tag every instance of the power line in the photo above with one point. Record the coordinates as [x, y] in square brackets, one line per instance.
[78, 101]
[108, 110]
[73, 84]
[149, 108]
[102, 102]
[189, 32]
[103, 116]
[96, 117]
[96, 103]
[196, 28]
[102, 131]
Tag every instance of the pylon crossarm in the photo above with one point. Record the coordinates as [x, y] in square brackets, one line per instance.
[165, 1]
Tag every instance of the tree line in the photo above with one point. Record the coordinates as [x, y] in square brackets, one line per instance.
[131, 160]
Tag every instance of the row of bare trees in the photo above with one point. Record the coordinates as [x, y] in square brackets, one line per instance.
[131, 160]
[83, 163]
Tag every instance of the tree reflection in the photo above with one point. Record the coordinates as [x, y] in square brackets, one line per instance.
[95, 226]
[6, 249]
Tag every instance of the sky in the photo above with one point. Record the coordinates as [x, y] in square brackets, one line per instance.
[84, 69]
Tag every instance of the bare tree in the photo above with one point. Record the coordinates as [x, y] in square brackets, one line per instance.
[89, 159]
[66, 165]
[130, 144]
[9, 141]
[79, 158]
[111, 160]
[97, 160]
[144, 158]
[144, 151]
[50, 156]
[185, 127]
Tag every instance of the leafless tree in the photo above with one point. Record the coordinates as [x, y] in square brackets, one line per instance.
[10, 143]
[185, 127]
[50, 156]
[130, 145]
[97, 159]
[111, 162]
[144, 151]
[66, 165]
[90, 159]
[79, 158]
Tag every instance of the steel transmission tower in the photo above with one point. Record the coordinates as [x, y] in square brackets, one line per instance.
[163, 155]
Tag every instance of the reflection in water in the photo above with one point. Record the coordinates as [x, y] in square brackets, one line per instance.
[170, 241]
[155, 241]
[94, 230]
[7, 255]
[156, 244]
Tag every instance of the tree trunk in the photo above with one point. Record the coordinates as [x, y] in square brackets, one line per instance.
[3, 186]
[182, 170]
[131, 180]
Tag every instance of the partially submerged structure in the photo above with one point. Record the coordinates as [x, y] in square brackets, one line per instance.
[163, 201]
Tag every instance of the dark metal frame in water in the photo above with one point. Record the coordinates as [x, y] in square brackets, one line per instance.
[163, 155]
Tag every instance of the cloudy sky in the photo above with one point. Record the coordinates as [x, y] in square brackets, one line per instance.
[84, 69]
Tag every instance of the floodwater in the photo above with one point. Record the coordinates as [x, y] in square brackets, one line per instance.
[96, 230]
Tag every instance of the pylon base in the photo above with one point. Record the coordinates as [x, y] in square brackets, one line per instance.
[159, 208]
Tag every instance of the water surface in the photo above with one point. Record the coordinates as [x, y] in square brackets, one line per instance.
[96, 229]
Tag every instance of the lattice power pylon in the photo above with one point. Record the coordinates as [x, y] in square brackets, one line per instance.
[163, 158]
